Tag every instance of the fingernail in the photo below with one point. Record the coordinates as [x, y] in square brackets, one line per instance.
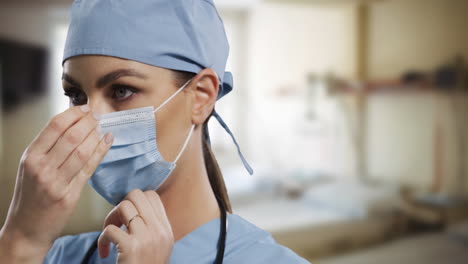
[85, 108]
[109, 138]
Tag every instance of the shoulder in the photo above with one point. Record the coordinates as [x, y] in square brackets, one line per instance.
[247, 243]
[70, 249]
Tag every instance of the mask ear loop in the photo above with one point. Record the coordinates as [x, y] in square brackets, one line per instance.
[172, 96]
[185, 143]
[191, 128]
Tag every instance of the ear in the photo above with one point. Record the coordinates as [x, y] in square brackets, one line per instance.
[205, 94]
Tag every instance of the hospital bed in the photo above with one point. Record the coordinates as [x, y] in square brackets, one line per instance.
[328, 218]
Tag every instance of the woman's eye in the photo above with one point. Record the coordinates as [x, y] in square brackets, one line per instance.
[76, 97]
[122, 92]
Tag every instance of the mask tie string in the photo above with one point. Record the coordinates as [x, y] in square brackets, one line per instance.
[224, 125]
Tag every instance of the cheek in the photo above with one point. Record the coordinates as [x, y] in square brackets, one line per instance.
[171, 130]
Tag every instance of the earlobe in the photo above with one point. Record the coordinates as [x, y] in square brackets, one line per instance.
[205, 94]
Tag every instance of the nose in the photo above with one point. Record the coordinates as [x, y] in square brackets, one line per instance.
[99, 105]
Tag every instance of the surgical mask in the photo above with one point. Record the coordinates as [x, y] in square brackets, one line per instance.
[134, 160]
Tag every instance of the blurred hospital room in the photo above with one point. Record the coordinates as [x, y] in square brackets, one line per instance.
[352, 113]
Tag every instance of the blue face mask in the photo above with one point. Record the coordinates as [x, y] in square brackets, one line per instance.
[134, 160]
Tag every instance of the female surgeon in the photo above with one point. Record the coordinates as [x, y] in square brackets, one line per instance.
[142, 78]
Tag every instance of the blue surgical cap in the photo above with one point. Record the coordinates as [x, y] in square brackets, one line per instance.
[185, 35]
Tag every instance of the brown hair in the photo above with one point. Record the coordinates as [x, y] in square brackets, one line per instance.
[212, 168]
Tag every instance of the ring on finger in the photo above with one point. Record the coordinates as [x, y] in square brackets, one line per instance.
[131, 219]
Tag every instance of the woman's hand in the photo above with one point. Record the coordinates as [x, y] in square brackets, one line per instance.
[149, 237]
[52, 173]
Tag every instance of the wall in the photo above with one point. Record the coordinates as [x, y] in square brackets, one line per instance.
[403, 130]
[416, 34]
[406, 35]
[287, 42]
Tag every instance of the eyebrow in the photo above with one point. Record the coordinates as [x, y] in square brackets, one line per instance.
[109, 77]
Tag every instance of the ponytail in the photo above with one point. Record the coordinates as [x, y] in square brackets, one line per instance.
[214, 172]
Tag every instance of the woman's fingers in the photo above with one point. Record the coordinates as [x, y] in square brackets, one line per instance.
[56, 128]
[72, 138]
[147, 240]
[143, 206]
[80, 179]
[112, 234]
[79, 157]
[122, 214]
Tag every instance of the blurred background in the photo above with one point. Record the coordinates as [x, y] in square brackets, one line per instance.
[352, 113]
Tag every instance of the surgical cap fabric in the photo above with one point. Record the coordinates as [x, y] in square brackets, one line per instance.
[186, 35]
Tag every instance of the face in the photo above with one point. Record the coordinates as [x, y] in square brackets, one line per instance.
[110, 84]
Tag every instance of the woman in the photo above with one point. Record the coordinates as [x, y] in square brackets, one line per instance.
[143, 78]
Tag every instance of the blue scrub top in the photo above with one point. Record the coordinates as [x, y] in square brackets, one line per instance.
[245, 243]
